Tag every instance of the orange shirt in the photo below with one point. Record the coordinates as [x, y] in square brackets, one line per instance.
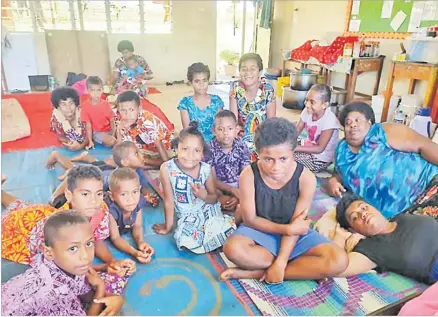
[99, 115]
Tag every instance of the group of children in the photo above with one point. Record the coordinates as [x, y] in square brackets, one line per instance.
[212, 184]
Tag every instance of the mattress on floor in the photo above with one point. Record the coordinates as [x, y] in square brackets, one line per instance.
[15, 124]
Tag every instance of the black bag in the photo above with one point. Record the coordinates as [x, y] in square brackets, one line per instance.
[73, 78]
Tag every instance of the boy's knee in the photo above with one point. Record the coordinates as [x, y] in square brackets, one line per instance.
[336, 260]
[232, 249]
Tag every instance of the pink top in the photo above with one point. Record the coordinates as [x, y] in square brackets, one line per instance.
[44, 290]
[424, 305]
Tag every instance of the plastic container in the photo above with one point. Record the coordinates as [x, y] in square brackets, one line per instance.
[422, 122]
[399, 117]
[281, 83]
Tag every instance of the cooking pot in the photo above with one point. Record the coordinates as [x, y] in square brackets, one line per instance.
[293, 99]
[303, 82]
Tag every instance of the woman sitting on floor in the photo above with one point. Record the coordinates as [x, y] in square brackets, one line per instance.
[389, 165]
[66, 120]
[121, 79]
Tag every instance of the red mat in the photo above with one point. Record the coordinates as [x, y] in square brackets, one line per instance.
[38, 109]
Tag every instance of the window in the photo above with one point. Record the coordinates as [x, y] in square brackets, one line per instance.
[125, 16]
[157, 17]
[93, 15]
[53, 15]
[14, 11]
[130, 16]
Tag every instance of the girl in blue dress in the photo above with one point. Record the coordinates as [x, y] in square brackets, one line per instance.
[201, 106]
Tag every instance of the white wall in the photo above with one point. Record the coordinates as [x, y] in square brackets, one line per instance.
[298, 21]
[193, 39]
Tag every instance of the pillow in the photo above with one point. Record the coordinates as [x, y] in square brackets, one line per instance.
[15, 124]
[326, 226]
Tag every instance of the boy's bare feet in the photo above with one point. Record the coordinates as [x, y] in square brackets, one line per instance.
[63, 176]
[4, 178]
[236, 273]
[79, 158]
[52, 160]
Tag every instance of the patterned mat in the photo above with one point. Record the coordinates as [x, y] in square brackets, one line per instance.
[359, 295]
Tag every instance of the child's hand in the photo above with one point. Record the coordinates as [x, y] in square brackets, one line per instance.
[90, 145]
[228, 203]
[199, 191]
[122, 267]
[94, 279]
[72, 145]
[236, 192]
[300, 225]
[113, 305]
[161, 228]
[144, 255]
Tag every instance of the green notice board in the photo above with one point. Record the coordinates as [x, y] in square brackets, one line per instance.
[370, 16]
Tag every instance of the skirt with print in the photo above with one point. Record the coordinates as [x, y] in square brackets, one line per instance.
[205, 230]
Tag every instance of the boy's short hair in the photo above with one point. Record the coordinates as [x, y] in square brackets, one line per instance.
[128, 95]
[94, 80]
[121, 174]
[342, 206]
[60, 220]
[275, 131]
[197, 68]
[225, 114]
[122, 149]
[64, 93]
[82, 172]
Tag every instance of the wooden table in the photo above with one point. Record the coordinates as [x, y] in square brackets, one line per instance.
[358, 66]
[412, 71]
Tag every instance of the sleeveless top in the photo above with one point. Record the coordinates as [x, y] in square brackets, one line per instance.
[386, 178]
[276, 205]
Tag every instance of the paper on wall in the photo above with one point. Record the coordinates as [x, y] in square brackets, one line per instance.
[398, 20]
[430, 10]
[416, 16]
[354, 26]
[387, 9]
[355, 7]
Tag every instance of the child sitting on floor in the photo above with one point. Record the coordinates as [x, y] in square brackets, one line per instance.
[22, 241]
[66, 119]
[229, 155]
[143, 128]
[202, 106]
[190, 193]
[317, 151]
[125, 154]
[126, 204]
[134, 69]
[60, 283]
[274, 242]
[98, 115]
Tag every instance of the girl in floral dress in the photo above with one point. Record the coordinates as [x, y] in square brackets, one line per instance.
[251, 99]
[190, 194]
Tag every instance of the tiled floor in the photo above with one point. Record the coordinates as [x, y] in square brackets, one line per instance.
[171, 95]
